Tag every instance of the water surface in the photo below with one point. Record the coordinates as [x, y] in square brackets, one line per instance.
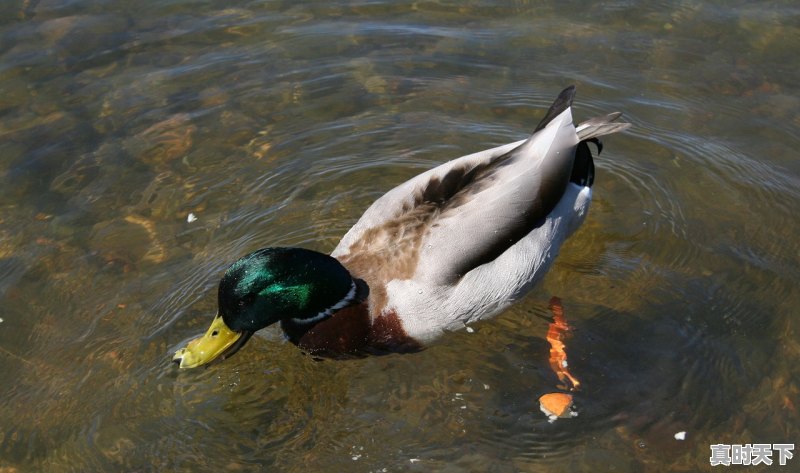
[278, 123]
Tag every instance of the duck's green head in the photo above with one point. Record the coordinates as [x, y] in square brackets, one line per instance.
[265, 287]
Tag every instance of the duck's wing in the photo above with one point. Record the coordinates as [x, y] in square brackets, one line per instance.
[447, 221]
[512, 199]
[386, 241]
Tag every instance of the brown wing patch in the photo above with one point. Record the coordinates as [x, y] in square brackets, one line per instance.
[391, 250]
[462, 182]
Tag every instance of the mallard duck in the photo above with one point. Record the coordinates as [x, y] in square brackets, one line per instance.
[453, 245]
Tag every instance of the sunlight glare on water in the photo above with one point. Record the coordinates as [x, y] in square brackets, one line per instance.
[278, 123]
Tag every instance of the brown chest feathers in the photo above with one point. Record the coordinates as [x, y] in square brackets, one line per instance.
[350, 332]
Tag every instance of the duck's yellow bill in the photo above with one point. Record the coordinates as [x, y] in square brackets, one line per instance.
[200, 351]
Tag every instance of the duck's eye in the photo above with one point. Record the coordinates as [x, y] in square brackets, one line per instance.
[215, 333]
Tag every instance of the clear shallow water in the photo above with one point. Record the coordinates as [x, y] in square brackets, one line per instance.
[278, 124]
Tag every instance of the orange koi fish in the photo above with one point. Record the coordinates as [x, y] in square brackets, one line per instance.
[558, 356]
